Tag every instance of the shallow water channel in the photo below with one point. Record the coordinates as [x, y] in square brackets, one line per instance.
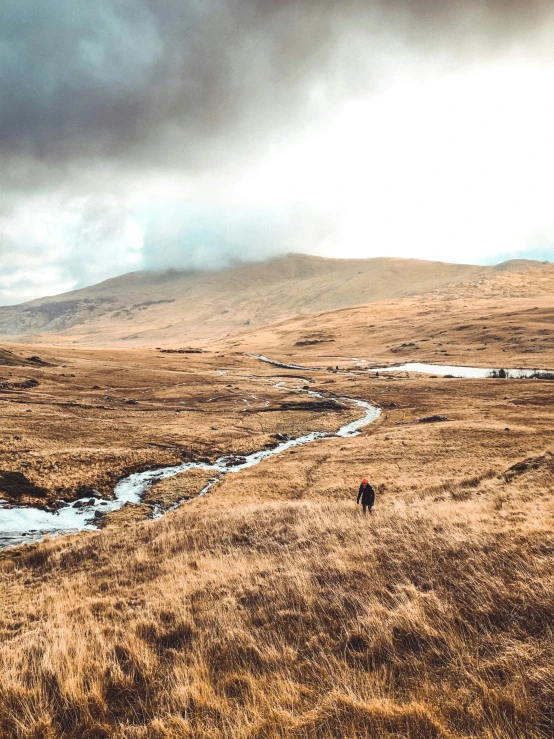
[23, 524]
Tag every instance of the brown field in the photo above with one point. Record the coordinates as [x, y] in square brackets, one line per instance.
[271, 608]
[98, 415]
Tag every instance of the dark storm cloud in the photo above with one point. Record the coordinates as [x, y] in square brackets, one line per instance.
[157, 80]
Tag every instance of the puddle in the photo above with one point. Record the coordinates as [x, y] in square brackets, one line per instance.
[454, 370]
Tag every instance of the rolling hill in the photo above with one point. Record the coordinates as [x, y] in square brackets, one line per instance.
[147, 307]
[505, 318]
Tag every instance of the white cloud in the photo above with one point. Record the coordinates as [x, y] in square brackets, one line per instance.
[456, 168]
[55, 244]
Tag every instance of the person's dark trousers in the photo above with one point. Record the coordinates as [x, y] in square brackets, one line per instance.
[367, 506]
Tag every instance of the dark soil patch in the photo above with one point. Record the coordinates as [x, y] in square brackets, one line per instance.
[15, 485]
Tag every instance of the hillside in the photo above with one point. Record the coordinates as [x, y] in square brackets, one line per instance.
[145, 308]
[503, 319]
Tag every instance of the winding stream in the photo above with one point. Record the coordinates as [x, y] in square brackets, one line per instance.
[23, 524]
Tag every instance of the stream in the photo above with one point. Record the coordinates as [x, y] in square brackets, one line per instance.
[23, 524]
[19, 525]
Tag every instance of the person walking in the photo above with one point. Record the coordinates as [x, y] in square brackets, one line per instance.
[366, 494]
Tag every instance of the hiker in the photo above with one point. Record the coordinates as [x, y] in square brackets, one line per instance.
[367, 495]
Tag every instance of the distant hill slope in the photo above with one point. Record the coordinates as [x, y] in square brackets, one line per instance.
[503, 319]
[145, 308]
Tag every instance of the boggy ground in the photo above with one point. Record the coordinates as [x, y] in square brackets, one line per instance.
[95, 415]
[272, 608]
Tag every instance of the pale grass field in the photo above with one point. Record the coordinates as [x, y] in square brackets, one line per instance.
[289, 619]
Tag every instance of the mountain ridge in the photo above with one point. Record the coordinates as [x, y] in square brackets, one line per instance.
[142, 308]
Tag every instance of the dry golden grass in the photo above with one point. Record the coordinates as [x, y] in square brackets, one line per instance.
[183, 486]
[97, 415]
[285, 619]
[271, 608]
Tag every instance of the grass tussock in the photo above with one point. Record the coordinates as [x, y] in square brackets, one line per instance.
[291, 619]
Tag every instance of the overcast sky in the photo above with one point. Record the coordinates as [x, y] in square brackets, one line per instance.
[197, 133]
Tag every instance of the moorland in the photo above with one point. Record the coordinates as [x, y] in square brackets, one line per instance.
[271, 607]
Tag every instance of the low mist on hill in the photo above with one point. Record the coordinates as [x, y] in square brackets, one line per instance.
[171, 307]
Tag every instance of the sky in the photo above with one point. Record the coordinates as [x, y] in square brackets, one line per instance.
[198, 134]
